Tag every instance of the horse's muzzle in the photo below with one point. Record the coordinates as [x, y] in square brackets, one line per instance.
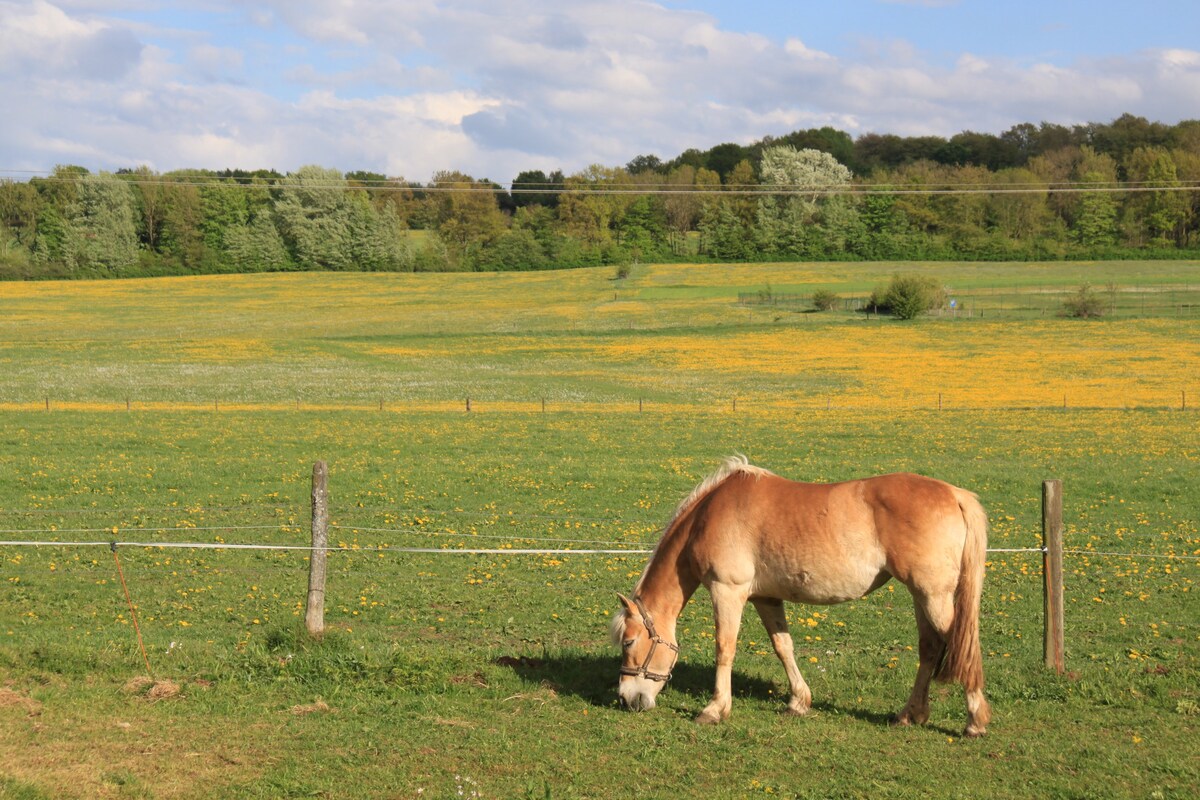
[637, 702]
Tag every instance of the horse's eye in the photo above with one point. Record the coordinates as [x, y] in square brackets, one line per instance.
[628, 643]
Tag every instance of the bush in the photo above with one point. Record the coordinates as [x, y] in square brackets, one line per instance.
[825, 300]
[907, 296]
[1084, 303]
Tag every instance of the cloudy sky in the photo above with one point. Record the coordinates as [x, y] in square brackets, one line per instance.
[493, 88]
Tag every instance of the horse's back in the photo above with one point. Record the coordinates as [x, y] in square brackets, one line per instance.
[825, 543]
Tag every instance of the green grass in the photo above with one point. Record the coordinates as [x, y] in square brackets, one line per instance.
[498, 669]
[493, 674]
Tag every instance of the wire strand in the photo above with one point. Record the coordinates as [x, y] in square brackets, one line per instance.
[386, 548]
[657, 189]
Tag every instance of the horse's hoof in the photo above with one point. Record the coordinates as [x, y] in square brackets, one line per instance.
[900, 721]
[793, 711]
[707, 718]
[974, 733]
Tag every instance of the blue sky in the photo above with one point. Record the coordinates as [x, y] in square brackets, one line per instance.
[1025, 30]
[491, 89]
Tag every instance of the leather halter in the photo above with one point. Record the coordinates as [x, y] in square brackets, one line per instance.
[655, 640]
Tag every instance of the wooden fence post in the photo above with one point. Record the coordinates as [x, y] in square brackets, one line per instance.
[314, 613]
[1052, 575]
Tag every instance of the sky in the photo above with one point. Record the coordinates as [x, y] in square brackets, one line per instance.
[493, 88]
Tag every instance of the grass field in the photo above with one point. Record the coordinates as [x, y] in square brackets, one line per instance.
[672, 335]
[491, 674]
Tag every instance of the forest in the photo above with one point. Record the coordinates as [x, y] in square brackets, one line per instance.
[1125, 189]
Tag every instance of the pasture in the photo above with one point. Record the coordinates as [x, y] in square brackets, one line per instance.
[191, 410]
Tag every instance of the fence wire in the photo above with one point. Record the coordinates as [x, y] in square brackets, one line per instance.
[385, 548]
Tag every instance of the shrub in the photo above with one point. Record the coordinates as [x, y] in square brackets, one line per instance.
[1084, 303]
[824, 300]
[907, 296]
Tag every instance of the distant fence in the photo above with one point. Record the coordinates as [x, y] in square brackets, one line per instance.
[1175, 300]
[1066, 397]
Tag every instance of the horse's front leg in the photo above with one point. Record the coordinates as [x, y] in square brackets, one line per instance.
[728, 602]
[775, 621]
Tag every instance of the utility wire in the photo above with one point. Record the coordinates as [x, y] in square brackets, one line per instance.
[658, 189]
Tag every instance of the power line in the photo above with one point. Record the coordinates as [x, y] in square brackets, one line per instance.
[657, 189]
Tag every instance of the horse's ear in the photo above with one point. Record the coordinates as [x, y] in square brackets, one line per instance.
[625, 601]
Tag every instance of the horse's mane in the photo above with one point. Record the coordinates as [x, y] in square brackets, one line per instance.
[731, 465]
[616, 628]
[734, 463]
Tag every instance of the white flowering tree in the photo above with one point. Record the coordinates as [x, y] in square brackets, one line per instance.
[797, 185]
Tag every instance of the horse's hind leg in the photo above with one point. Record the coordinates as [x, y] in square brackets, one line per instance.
[728, 602]
[930, 647]
[775, 621]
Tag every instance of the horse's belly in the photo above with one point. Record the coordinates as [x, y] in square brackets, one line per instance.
[822, 587]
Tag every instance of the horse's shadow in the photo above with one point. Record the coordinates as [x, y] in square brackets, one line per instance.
[593, 679]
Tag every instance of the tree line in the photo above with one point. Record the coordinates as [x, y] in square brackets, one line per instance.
[1126, 189]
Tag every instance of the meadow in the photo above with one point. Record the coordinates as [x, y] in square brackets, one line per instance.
[446, 675]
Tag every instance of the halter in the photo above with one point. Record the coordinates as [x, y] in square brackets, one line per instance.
[655, 640]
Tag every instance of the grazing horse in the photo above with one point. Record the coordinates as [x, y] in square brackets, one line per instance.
[750, 535]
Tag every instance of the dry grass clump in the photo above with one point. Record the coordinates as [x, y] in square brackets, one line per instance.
[150, 689]
[10, 698]
[319, 707]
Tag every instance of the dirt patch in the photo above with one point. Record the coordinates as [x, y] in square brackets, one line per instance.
[150, 689]
[10, 698]
[163, 690]
[137, 685]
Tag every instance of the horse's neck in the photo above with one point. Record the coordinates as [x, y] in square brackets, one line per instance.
[667, 584]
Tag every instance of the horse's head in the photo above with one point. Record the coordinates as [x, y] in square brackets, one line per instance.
[646, 657]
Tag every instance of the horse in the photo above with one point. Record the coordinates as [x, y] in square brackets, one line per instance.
[748, 534]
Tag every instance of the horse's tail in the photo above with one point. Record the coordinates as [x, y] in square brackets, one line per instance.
[963, 661]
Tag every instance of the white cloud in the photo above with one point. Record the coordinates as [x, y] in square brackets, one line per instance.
[795, 47]
[40, 38]
[412, 88]
[1180, 59]
[214, 62]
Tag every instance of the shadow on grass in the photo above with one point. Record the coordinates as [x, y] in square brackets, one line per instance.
[594, 680]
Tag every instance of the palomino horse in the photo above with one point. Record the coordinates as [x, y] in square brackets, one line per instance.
[748, 534]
